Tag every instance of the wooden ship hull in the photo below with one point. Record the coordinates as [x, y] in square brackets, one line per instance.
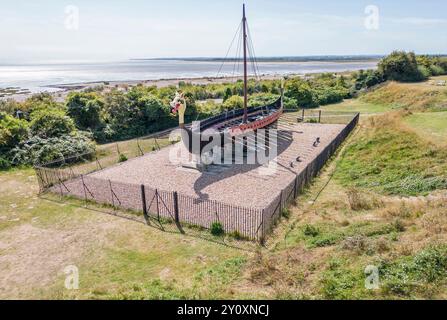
[226, 127]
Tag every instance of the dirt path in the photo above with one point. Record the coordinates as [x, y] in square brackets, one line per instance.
[33, 257]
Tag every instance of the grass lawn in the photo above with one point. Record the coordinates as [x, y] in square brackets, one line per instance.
[355, 105]
[389, 159]
[432, 125]
[357, 213]
[116, 258]
[417, 97]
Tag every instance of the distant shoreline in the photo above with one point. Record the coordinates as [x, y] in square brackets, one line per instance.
[165, 82]
[285, 59]
[60, 91]
[65, 89]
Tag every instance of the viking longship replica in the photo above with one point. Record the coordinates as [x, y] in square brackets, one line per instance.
[224, 128]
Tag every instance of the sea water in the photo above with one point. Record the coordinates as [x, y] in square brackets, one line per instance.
[46, 77]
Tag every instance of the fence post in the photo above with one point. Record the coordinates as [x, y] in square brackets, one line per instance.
[111, 193]
[139, 148]
[85, 191]
[98, 163]
[302, 117]
[319, 116]
[262, 238]
[143, 201]
[176, 212]
[295, 190]
[280, 203]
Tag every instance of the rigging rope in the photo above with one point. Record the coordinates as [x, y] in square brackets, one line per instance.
[229, 49]
[237, 62]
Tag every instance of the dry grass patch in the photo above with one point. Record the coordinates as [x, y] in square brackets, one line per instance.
[409, 96]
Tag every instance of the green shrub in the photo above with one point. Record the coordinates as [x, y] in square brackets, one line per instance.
[217, 229]
[40, 102]
[138, 112]
[408, 275]
[9, 106]
[85, 109]
[5, 164]
[261, 99]
[285, 213]
[51, 124]
[12, 132]
[300, 91]
[122, 158]
[425, 72]
[39, 150]
[311, 231]
[339, 283]
[401, 66]
[237, 235]
[437, 70]
[234, 102]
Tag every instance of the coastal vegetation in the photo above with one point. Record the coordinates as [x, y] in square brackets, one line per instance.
[42, 129]
[381, 203]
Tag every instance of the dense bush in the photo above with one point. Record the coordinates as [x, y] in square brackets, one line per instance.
[328, 95]
[43, 150]
[217, 229]
[401, 66]
[51, 124]
[301, 91]
[261, 99]
[367, 79]
[85, 109]
[234, 102]
[12, 132]
[40, 102]
[48, 136]
[9, 106]
[4, 163]
[130, 111]
[135, 113]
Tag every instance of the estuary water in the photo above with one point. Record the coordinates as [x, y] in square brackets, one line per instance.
[46, 77]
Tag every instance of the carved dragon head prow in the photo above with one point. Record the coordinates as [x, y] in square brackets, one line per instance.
[178, 105]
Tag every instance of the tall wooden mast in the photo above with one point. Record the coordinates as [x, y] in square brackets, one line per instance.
[244, 23]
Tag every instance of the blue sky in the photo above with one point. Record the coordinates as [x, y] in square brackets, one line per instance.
[113, 30]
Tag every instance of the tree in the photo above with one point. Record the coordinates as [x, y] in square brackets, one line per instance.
[301, 91]
[9, 106]
[400, 66]
[85, 109]
[261, 99]
[51, 124]
[228, 93]
[40, 101]
[12, 132]
[234, 102]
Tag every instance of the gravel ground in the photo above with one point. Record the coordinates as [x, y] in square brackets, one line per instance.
[240, 196]
[240, 185]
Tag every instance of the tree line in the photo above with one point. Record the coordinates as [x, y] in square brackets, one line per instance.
[40, 129]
